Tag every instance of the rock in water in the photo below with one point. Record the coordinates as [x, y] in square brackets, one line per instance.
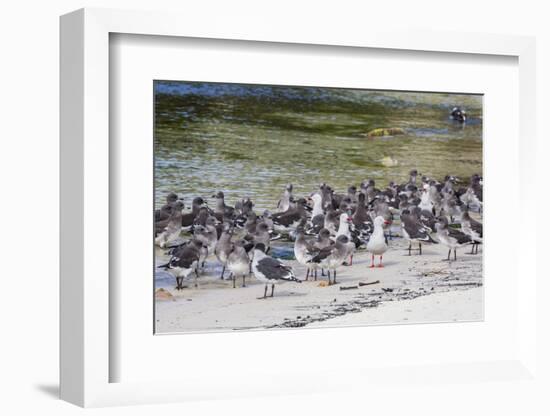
[163, 294]
[392, 131]
[388, 162]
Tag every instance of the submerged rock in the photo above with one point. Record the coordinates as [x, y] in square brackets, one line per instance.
[388, 162]
[391, 131]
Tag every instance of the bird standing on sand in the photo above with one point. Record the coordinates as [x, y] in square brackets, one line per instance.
[288, 221]
[302, 251]
[434, 197]
[352, 194]
[317, 214]
[415, 231]
[165, 211]
[270, 270]
[332, 221]
[188, 219]
[208, 235]
[223, 246]
[450, 237]
[382, 209]
[250, 223]
[267, 218]
[323, 240]
[450, 206]
[221, 210]
[243, 209]
[344, 229]
[184, 261]
[425, 217]
[473, 197]
[425, 202]
[284, 203]
[169, 229]
[362, 221]
[377, 245]
[332, 257]
[238, 262]
[260, 235]
[472, 228]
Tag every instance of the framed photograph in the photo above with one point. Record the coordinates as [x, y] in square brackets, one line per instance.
[264, 208]
[282, 183]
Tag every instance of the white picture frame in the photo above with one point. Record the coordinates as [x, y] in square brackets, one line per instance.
[85, 211]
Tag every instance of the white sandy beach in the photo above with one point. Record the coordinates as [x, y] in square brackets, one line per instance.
[451, 306]
[417, 288]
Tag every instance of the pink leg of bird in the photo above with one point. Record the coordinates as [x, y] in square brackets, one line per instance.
[351, 259]
[372, 261]
[380, 263]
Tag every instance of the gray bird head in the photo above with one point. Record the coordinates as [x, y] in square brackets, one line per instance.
[212, 221]
[197, 243]
[178, 206]
[260, 247]
[476, 179]
[247, 203]
[262, 227]
[342, 239]
[240, 243]
[442, 219]
[198, 229]
[367, 183]
[171, 197]
[198, 201]
[458, 114]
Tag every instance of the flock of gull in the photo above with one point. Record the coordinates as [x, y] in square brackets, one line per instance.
[326, 227]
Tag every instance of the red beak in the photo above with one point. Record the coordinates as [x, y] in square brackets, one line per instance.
[387, 222]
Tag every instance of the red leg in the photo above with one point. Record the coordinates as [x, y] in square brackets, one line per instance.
[380, 264]
[372, 261]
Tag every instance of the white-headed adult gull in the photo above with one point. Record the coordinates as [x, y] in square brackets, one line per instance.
[377, 245]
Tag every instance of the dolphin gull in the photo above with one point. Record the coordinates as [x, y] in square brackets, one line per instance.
[270, 270]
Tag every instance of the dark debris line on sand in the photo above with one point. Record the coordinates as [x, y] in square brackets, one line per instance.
[373, 299]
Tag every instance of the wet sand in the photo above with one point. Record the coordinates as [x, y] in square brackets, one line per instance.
[416, 288]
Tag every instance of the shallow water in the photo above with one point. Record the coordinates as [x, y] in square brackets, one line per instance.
[249, 141]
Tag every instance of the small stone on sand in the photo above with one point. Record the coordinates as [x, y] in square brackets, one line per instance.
[163, 294]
